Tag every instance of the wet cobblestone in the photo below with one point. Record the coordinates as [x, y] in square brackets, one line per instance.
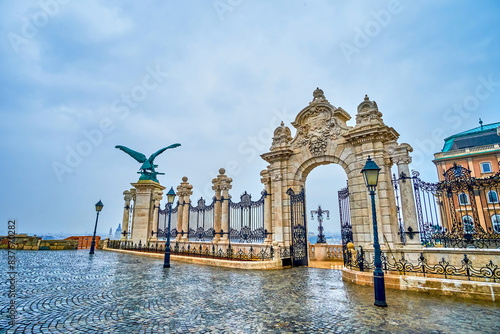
[69, 292]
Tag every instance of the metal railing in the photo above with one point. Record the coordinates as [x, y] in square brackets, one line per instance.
[230, 252]
[459, 212]
[488, 271]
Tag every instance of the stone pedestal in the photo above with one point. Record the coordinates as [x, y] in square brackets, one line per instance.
[143, 209]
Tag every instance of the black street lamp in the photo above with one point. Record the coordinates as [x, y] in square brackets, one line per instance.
[98, 208]
[170, 199]
[370, 172]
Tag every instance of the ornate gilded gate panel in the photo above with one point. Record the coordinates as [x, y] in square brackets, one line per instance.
[299, 233]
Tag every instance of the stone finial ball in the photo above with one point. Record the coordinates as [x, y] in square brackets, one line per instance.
[184, 179]
[222, 171]
[350, 245]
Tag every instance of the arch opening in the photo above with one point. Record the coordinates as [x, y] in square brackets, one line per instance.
[322, 183]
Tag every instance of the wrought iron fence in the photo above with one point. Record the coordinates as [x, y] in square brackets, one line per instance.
[443, 268]
[246, 219]
[345, 218]
[459, 212]
[397, 194]
[163, 222]
[208, 251]
[201, 221]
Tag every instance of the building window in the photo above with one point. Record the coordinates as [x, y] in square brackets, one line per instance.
[463, 199]
[468, 224]
[485, 167]
[495, 221]
[492, 196]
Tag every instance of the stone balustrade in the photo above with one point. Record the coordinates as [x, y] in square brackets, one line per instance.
[325, 252]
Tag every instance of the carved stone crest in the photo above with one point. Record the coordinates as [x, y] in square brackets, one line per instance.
[316, 126]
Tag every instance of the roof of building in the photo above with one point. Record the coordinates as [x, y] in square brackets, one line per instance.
[479, 136]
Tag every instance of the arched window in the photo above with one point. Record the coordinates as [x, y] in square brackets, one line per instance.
[468, 224]
[492, 196]
[463, 199]
[495, 221]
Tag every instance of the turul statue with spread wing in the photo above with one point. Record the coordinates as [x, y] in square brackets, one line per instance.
[147, 169]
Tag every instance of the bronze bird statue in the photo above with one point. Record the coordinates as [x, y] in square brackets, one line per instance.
[147, 169]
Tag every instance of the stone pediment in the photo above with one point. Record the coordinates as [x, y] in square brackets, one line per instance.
[318, 123]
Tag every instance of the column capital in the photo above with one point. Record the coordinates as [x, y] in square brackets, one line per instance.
[265, 177]
[127, 196]
[222, 182]
[133, 193]
[157, 196]
[401, 154]
[184, 189]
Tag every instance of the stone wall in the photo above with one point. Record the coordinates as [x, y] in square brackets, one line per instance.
[36, 243]
[430, 285]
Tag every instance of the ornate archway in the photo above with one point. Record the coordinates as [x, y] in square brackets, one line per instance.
[323, 137]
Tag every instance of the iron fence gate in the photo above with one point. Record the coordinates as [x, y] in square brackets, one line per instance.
[162, 227]
[345, 219]
[298, 224]
[201, 221]
[246, 219]
[459, 212]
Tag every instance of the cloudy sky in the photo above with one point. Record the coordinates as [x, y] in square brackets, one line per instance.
[217, 76]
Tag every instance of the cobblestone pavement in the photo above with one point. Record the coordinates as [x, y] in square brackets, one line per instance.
[70, 292]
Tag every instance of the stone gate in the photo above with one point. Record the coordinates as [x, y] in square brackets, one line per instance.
[323, 137]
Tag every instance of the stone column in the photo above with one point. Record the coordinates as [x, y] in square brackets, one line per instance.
[266, 180]
[185, 190]
[157, 196]
[225, 185]
[145, 190]
[280, 199]
[407, 201]
[277, 171]
[133, 192]
[386, 209]
[126, 214]
[218, 205]
[180, 211]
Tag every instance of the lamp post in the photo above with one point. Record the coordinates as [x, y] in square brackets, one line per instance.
[320, 212]
[370, 173]
[170, 199]
[98, 208]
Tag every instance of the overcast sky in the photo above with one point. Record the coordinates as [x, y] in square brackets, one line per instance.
[79, 77]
